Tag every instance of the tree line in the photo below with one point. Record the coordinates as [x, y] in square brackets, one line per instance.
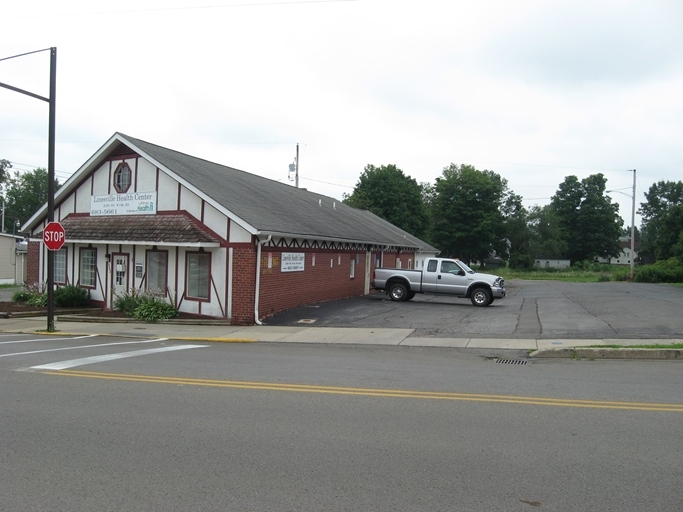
[473, 215]
[21, 194]
[470, 214]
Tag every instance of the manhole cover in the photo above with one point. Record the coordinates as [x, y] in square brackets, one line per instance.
[511, 361]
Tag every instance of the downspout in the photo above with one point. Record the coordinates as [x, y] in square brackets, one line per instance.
[259, 244]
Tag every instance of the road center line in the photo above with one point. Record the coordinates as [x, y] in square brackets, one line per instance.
[110, 357]
[82, 346]
[387, 393]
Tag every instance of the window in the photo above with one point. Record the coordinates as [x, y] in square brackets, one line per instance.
[88, 268]
[431, 266]
[157, 263]
[122, 176]
[352, 272]
[198, 272]
[60, 266]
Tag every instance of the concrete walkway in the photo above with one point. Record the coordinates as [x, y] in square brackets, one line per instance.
[599, 348]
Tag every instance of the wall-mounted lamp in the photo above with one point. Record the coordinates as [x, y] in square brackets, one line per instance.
[107, 257]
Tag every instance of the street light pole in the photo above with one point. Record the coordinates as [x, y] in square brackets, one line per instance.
[50, 171]
[51, 189]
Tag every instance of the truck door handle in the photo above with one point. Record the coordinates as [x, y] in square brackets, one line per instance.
[439, 276]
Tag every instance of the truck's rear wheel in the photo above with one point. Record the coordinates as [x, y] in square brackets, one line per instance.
[481, 297]
[398, 292]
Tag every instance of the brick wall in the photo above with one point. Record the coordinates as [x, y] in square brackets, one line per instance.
[328, 278]
[243, 284]
[33, 264]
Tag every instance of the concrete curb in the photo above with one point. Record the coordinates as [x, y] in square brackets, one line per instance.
[608, 353]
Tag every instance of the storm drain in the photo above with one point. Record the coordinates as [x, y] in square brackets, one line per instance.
[511, 361]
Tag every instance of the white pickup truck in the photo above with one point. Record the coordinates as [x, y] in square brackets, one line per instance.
[440, 276]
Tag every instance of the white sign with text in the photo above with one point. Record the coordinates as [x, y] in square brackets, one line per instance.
[292, 262]
[138, 203]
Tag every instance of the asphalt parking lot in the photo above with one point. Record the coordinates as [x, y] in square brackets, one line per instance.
[532, 309]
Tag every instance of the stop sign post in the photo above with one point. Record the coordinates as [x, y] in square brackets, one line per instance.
[53, 236]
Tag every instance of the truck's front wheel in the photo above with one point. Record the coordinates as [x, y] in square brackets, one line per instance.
[481, 297]
[398, 292]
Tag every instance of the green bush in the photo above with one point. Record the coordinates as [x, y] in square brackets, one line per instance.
[21, 295]
[665, 271]
[71, 296]
[128, 302]
[154, 308]
[37, 300]
[603, 277]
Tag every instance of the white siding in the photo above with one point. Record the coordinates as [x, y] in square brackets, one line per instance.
[190, 202]
[100, 182]
[146, 177]
[215, 220]
[167, 195]
[238, 234]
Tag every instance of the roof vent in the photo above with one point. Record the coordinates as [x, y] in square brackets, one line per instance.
[320, 202]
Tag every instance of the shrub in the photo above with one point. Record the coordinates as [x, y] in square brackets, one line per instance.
[154, 308]
[603, 277]
[665, 271]
[71, 296]
[128, 302]
[21, 295]
[37, 300]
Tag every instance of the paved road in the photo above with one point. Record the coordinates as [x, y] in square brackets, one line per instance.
[257, 427]
[533, 309]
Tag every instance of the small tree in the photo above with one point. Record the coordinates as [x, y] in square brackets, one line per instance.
[25, 194]
[390, 194]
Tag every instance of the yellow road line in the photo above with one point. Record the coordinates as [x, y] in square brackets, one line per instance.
[392, 393]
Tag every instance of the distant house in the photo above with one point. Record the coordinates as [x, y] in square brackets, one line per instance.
[551, 263]
[625, 256]
[12, 259]
[214, 240]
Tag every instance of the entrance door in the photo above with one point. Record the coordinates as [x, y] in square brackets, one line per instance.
[119, 275]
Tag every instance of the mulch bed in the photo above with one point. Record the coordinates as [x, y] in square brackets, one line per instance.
[20, 307]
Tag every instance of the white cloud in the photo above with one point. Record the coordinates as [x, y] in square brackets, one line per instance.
[532, 90]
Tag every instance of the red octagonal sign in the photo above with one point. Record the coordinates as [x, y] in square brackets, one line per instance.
[53, 236]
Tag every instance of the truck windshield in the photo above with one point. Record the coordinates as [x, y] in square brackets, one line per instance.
[465, 267]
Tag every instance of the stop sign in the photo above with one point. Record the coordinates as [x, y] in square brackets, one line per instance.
[53, 236]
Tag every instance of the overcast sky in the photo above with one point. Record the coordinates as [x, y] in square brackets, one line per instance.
[533, 90]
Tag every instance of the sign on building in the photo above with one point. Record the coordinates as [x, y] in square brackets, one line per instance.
[139, 203]
[292, 262]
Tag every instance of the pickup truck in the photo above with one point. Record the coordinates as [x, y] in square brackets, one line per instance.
[440, 276]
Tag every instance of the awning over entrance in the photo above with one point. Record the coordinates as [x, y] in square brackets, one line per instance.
[174, 229]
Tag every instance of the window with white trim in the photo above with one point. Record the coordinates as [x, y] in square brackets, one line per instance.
[88, 268]
[60, 266]
[198, 273]
[122, 177]
[157, 273]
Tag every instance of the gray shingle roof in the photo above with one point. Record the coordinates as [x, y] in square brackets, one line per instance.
[276, 208]
[153, 229]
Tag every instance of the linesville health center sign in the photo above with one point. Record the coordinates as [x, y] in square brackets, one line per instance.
[139, 203]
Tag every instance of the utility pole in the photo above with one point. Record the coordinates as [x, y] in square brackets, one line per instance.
[294, 168]
[633, 228]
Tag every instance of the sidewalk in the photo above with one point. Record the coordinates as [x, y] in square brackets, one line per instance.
[567, 348]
